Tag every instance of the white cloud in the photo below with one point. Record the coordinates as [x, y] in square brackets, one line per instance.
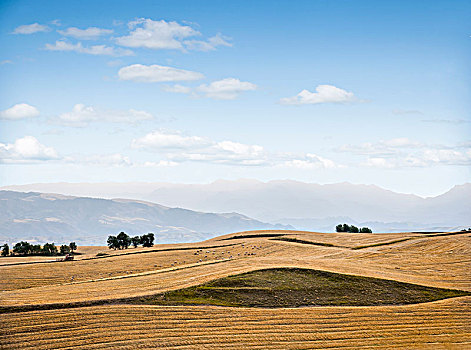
[86, 34]
[26, 150]
[101, 160]
[5, 62]
[323, 94]
[31, 29]
[424, 158]
[403, 152]
[156, 34]
[238, 148]
[209, 45]
[178, 148]
[62, 45]
[226, 89]
[447, 156]
[311, 161]
[168, 140]
[162, 163]
[19, 111]
[378, 162]
[107, 160]
[156, 73]
[401, 142]
[117, 23]
[383, 147]
[82, 115]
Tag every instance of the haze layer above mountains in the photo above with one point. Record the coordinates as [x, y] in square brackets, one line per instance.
[301, 205]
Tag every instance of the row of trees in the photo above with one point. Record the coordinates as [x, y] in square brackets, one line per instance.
[123, 241]
[24, 248]
[352, 229]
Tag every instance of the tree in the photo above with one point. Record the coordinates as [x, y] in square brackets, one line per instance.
[124, 241]
[72, 246]
[136, 240]
[147, 240]
[5, 250]
[113, 242]
[64, 249]
[49, 249]
[35, 249]
[354, 229]
[22, 248]
[150, 239]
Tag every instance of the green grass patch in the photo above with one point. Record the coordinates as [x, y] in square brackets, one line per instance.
[294, 287]
[276, 288]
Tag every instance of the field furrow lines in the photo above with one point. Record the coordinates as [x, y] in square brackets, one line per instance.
[440, 261]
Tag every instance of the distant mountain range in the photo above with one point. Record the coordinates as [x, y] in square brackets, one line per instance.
[39, 217]
[302, 205]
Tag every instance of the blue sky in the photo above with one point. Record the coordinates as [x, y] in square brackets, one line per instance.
[183, 91]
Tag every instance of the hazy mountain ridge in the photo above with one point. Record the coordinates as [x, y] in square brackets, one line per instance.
[302, 205]
[50, 217]
[275, 200]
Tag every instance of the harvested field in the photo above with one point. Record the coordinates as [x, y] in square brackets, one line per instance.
[439, 261]
[117, 263]
[438, 325]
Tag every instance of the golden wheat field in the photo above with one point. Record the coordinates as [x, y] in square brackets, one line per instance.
[55, 305]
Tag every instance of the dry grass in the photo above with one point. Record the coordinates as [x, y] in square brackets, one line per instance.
[425, 260]
[438, 325]
[89, 267]
[437, 261]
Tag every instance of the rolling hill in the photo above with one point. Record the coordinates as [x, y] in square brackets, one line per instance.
[248, 290]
